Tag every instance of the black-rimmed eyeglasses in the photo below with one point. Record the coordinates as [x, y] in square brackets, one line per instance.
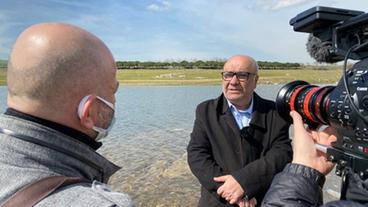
[241, 76]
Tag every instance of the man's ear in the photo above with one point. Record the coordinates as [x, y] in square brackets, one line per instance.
[86, 115]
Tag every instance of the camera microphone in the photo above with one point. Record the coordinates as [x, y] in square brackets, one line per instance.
[320, 50]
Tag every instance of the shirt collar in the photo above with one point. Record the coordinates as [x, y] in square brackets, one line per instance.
[249, 110]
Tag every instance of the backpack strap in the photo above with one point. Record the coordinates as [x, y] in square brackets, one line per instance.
[31, 194]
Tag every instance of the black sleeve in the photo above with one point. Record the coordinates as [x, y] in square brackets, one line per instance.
[200, 158]
[296, 185]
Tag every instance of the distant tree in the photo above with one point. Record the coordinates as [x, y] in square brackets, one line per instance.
[3, 64]
[198, 64]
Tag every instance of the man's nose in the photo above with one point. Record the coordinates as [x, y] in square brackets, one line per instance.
[234, 80]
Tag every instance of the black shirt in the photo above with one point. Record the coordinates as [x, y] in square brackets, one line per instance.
[58, 127]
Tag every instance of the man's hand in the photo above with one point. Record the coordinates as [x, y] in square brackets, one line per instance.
[230, 190]
[305, 152]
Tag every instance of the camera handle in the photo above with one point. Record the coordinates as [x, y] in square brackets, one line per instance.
[346, 162]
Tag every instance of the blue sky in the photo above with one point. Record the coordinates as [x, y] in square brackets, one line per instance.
[173, 30]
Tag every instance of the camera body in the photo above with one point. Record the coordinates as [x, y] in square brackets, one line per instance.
[341, 34]
[336, 29]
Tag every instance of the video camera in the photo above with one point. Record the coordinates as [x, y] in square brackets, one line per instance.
[335, 35]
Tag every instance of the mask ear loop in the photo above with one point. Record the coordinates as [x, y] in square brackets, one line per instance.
[82, 103]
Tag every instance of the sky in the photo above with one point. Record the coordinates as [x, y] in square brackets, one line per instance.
[175, 30]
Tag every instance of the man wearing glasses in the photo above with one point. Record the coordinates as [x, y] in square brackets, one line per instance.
[239, 141]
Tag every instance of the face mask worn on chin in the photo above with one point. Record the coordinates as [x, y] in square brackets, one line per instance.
[101, 132]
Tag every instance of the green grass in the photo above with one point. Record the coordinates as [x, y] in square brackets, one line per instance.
[2, 77]
[213, 77]
[169, 77]
[309, 75]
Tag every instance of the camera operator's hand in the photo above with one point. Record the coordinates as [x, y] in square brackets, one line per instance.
[305, 152]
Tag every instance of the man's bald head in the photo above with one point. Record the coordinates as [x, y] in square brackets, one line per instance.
[52, 66]
[54, 61]
[242, 61]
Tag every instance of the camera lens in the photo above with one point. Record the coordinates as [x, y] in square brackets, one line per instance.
[310, 101]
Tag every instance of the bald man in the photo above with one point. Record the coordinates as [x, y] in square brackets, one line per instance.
[239, 141]
[61, 96]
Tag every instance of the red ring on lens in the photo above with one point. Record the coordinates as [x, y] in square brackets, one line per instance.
[294, 95]
[306, 103]
[317, 106]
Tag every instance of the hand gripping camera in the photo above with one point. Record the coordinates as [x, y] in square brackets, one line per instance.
[335, 34]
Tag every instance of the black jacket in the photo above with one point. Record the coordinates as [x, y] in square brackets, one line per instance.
[217, 147]
[301, 186]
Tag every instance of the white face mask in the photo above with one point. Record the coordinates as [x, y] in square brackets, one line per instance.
[101, 132]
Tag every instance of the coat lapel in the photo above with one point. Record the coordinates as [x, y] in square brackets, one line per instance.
[227, 115]
[259, 113]
[258, 124]
[230, 121]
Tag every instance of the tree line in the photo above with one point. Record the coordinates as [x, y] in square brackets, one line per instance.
[3, 64]
[198, 64]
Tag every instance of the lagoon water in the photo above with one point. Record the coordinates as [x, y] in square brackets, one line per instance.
[149, 139]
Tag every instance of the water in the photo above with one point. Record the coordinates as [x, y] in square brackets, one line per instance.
[149, 139]
[150, 143]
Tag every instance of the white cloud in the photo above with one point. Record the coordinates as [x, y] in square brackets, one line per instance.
[161, 5]
[287, 3]
[281, 4]
[245, 28]
[154, 7]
